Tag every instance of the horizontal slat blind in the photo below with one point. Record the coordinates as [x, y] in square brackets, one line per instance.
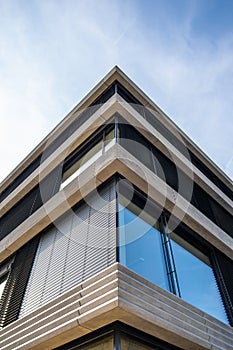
[223, 268]
[16, 283]
[31, 202]
[81, 243]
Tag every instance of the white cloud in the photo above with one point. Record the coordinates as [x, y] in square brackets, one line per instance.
[192, 80]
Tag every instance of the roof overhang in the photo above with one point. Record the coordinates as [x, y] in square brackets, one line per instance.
[115, 74]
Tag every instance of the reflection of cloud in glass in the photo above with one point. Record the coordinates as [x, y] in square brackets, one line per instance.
[197, 283]
[140, 248]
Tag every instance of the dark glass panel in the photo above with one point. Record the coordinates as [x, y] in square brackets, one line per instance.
[136, 144]
[210, 175]
[30, 202]
[164, 167]
[212, 209]
[20, 178]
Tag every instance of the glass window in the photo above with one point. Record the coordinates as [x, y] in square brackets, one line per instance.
[140, 244]
[142, 249]
[96, 150]
[3, 280]
[109, 136]
[196, 278]
[87, 157]
[136, 144]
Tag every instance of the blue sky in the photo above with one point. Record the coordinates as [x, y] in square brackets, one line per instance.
[53, 52]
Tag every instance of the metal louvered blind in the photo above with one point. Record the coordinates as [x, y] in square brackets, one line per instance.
[16, 283]
[223, 267]
[81, 243]
[31, 202]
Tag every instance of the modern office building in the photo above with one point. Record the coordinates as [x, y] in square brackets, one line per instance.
[116, 233]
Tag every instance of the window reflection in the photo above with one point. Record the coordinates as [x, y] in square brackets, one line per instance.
[196, 279]
[140, 246]
[86, 157]
[141, 250]
[109, 136]
[3, 280]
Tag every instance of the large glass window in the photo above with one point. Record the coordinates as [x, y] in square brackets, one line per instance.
[140, 245]
[166, 260]
[196, 278]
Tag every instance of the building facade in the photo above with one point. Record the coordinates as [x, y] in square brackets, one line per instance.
[116, 233]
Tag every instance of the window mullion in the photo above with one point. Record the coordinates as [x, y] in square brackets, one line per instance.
[169, 259]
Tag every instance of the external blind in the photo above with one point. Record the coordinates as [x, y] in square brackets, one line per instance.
[223, 267]
[16, 283]
[31, 202]
[80, 244]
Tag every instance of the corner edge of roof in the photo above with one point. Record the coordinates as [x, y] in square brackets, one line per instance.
[114, 74]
